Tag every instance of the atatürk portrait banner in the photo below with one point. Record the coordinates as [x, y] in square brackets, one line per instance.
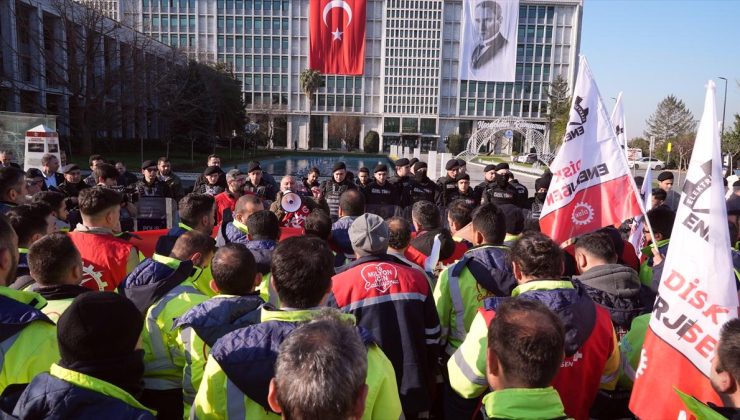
[489, 31]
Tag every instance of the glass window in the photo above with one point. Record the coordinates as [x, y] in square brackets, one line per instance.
[391, 125]
[239, 28]
[248, 23]
[220, 4]
[220, 42]
[248, 43]
[155, 22]
[258, 24]
[428, 126]
[230, 42]
[220, 23]
[285, 43]
[191, 22]
[230, 24]
[340, 84]
[165, 23]
[410, 125]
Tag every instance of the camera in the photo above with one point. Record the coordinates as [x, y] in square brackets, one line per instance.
[130, 194]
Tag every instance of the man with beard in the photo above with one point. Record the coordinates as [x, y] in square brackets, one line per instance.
[501, 192]
[422, 188]
[164, 168]
[333, 188]
[312, 179]
[382, 197]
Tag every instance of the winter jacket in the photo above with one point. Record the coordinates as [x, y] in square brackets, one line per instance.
[200, 327]
[523, 403]
[263, 190]
[592, 358]
[340, 240]
[28, 343]
[423, 189]
[383, 200]
[483, 271]
[155, 189]
[617, 288]
[58, 298]
[65, 394]
[470, 197]
[225, 200]
[420, 247]
[242, 363]
[236, 232]
[332, 191]
[393, 301]
[647, 275]
[166, 243]
[262, 251]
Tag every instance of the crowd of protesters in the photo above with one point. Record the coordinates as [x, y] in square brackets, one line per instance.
[394, 296]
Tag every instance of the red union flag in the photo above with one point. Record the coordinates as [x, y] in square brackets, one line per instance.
[591, 185]
[697, 292]
[337, 36]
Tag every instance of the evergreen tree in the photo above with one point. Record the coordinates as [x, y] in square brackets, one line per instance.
[670, 120]
[559, 96]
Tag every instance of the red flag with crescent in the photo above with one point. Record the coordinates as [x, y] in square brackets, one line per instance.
[337, 36]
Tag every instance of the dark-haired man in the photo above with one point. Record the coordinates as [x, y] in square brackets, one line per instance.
[330, 351]
[94, 161]
[318, 224]
[613, 286]
[333, 188]
[661, 220]
[520, 380]
[382, 197]
[13, 188]
[236, 305]
[56, 267]
[428, 224]
[197, 212]
[264, 232]
[58, 204]
[241, 365]
[34, 182]
[49, 168]
[27, 335]
[150, 185]
[724, 376]
[483, 271]
[489, 175]
[351, 206]
[165, 174]
[658, 197]
[163, 288]
[402, 181]
[591, 352]
[665, 182]
[363, 178]
[125, 178]
[399, 238]
[107, 259]
[311, 180]
[393, 301]
[31, 222]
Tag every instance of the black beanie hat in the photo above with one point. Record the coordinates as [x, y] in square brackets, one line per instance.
[381, 167]
[337, 166]
[462, 176]
[97, 326]
[364, 169]
[489, 167]
[502, 165]
[541, 183]
[452, 164]
[420, 165]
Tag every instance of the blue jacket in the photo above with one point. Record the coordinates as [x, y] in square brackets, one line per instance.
[262, 251]
[248, 355]
[49, 397]
[491, 268]
[233, 234]
[340, 239]
[151, 280]
[217, 317]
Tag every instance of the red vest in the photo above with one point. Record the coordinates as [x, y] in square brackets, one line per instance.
[579, 376]
[375, 279]
[104, 259]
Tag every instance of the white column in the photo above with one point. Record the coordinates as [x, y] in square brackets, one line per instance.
[326, 133]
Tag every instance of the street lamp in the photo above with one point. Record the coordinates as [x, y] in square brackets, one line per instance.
[724, 107]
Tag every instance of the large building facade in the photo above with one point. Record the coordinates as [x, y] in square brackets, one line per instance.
[58, 57]
[410, 91]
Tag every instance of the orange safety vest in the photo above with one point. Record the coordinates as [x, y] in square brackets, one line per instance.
[104, 259]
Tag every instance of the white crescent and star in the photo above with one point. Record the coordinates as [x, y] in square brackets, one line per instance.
[337, 34]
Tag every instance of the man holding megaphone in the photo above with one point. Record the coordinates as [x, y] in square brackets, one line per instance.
[292, 208]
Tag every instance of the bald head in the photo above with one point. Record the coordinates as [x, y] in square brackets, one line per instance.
[247, 205]
[287, 184]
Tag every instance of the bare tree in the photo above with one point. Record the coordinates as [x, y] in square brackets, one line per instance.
[346, 128]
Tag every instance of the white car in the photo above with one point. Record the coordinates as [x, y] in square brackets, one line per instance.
[643, 163]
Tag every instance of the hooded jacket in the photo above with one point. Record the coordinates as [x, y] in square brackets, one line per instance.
[591, 353]
[154, 278]
[236, 232]
[242, 363]
[340, 240]
[483, 271]
[262, 250]
[617, 288]
[201, 326]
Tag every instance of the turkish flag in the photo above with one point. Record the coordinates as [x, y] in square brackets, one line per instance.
[337, 36]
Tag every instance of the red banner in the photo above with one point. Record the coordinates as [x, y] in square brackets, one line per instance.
[673, 371]
[337, 36]
[592, 208]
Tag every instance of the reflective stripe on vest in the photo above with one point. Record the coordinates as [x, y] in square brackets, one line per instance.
[458, 306]
[187, 384]
[235, 407]
[161, 355]
[467, 370]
